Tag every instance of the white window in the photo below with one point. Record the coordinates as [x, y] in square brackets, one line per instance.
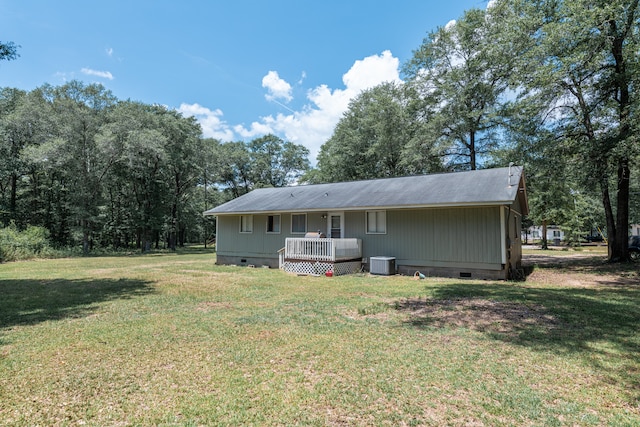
[298, 223]
[376, 222]
[273, 223]
[246, 223]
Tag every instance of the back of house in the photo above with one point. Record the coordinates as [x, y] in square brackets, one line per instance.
[462, 224]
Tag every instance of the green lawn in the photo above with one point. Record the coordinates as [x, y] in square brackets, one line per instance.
[172, 339]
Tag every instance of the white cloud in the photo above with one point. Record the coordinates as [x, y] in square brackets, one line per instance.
[491, 3]
[109, 51]
[96, 73]
[371, 71]
[210, 120]
[277, 87]
[450, 25]
[303, 76]
[313, 124]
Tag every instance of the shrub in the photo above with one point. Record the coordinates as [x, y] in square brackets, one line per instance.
[29, 243]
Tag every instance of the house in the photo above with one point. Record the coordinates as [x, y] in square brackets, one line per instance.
[462, 224]
[555, 234]
[635, 229]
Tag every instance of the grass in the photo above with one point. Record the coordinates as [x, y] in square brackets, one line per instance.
[172, 339]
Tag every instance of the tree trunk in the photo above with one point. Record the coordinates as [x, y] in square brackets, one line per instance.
[182, 235]
[472, 151]
[611, 224]
[172, 231]
[146, 241]
[12, 201]
[619, 249]
[545, 244]
[85, 237]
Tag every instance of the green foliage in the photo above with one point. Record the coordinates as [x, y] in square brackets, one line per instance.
[459, 76]
[373, 140]
[577, 74]
[267, 161]
[31, 242]
[100, 173]
[8, 51]
[276, 163]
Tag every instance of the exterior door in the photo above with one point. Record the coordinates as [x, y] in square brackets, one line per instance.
[335, 225]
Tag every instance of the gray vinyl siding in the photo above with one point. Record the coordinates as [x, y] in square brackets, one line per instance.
[437, 237]
[446, 237]
[229, 240]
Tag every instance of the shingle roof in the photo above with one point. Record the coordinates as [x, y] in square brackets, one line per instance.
[472, 188]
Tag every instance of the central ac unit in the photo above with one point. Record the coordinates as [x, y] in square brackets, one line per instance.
[382, 265]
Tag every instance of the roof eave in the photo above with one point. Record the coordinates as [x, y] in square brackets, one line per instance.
[365, 208]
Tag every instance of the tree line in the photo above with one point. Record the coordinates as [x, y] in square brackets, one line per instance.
[548, 84]
[97, 171]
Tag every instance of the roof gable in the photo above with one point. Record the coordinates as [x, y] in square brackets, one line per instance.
[472, 188]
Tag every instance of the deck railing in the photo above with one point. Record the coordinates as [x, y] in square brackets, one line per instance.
[315, 249]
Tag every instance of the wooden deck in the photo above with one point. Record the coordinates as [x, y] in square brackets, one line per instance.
[319, 255]
[331, 250]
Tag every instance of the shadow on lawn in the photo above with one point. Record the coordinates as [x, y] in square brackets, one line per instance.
[599, 323]
[27, 302]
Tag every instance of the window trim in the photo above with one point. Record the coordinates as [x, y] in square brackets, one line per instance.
[279, 224]
[305, 223]
[250, 223]
[366, 221]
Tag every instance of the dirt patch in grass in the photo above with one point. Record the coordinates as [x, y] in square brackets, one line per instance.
[581, 279]
[477, 314]
[559, 259]
[511, 318]
[580, 270]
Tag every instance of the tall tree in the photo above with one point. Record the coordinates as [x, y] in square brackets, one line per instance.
[210, 194]
[120, 208]
[184, 163]
[80, 111]
[371, 139]
[275, 162]
[13, 138]
[580, 58]
[460, 75]
[267, 161]
[233, 166]
[25, 122]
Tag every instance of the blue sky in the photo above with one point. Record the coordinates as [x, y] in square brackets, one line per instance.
[242, 68]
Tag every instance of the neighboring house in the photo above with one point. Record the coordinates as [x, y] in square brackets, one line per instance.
[635, 229]
[555, 235]
[462, 224]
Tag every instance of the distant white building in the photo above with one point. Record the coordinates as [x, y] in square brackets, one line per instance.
[555, 234]
[635, 229]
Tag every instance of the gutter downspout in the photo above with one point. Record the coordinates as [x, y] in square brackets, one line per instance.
[503, 237]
